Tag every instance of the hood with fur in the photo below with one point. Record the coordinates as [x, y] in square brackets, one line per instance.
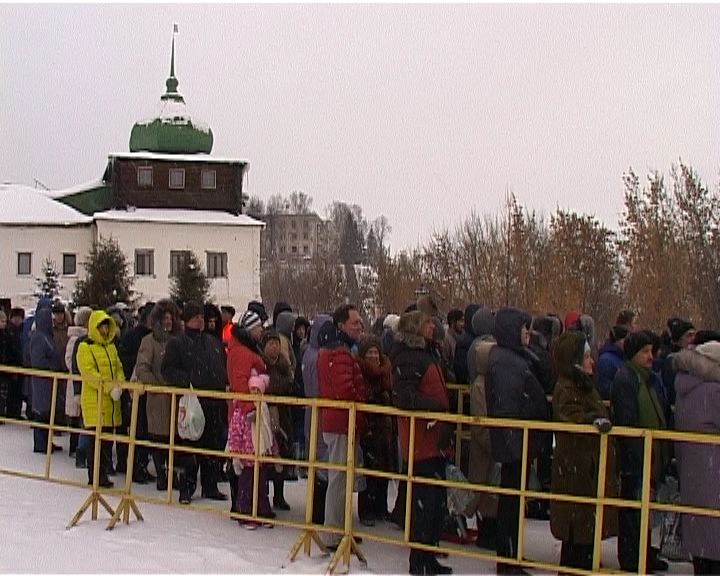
[483, 322]
[697, 364]
[285, 323]
[408, 330]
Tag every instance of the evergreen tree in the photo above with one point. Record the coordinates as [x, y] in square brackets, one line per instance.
[190, 284]
[107, 280]
[48, 285]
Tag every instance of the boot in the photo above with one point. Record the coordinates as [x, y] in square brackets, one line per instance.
[487, 531]
[319, 501]
[279, 495]
[365, 508]
[80, 458]
[159, 463]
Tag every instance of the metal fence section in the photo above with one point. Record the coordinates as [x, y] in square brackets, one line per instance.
[311, 532]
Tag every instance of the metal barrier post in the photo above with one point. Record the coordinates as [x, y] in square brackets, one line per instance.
[171, 448]
[308, 536]
[347, 545]
[95, 497]
[53, 408]
[645, 502]
[523, 487]
[599, 507]
[458, 428]
[410, 472]
[127, 502]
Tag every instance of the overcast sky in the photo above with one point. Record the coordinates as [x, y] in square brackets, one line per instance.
[420, 112]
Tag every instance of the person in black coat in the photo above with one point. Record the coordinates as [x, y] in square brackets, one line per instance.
[15, 389]
[460, 367]
[512, 391]
[9, 356]
[198, 359]
[636, 403]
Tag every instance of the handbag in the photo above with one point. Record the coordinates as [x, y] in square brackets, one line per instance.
[191, 418]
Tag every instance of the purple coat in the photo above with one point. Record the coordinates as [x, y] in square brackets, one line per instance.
[697, 409]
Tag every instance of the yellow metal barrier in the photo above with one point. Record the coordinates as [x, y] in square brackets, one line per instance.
[348, 546]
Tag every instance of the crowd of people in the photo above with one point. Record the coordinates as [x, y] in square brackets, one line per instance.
[514, 365]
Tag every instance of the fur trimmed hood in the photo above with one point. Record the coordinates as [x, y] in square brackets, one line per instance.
[699, 363]
[408, 331]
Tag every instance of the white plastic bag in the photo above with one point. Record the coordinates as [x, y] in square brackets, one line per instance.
[191, 419]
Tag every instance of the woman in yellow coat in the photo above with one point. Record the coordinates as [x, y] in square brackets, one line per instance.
[98, 360]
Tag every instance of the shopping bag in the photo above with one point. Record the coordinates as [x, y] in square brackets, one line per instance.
[458, 499]
[191, 419]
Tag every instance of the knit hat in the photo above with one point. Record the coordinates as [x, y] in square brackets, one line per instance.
[82, 316]
[366, 343]
[635, 342]
[258, 308]
[678, 328]
[618, 332]
[267, 336]
[249, 320]
[258, 382]
[568, 352]
[190, 310]
[572, 320]
[58, 307]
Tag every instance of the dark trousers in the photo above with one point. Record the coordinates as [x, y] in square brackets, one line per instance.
[427, 509]
[705, 566]
[372, 502]
[74, 422]
[160, 457]
[575, 555]
[629, 525]
[105, 456]
[122, 448]
[13, 406]
[214, 437]
[508, 514]
[40, 435]
[244, 493]
[398, 512]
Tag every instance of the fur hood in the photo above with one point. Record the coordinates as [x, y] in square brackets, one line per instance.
[408, 331]
[703, 363]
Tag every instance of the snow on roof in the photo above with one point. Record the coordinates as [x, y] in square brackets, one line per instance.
[177, 157]
[23, 205]
[91, 185]
[169, 216]
[175, 111]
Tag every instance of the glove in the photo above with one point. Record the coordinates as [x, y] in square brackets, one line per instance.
[603, 425]
[237, 466]
[250, 417]
[116, 393]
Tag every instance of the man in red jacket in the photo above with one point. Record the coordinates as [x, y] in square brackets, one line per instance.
[340, 378]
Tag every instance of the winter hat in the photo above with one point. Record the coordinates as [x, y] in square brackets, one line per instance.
[82, 316]
[190, 310]
[544, 325]
[391, 321]
[483, 322]
[368, 342]
[427, 305]
[249, 320]
[678, 328]
[635, 342]
[267, 336]
[259, 309]
[703, 336]
[572, 320]
[258, 382]
[58, 307]
[618, 333]
[710, 350]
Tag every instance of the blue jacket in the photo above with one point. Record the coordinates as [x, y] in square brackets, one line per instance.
[43, 356]
[610, 361]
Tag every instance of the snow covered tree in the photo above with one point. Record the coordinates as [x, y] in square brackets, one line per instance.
[190, 284]
[48, 285]
[107, 280]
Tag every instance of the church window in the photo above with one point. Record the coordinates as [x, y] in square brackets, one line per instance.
[305, 249]
[217, 264]
[145, 176]
[294, 249]
[177, 258]
[24, 266]
[69, 264]
[177, 178]
[144, 263]
[208, 179]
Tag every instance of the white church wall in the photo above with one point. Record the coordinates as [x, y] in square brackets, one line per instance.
[241, 243]
[42, 242]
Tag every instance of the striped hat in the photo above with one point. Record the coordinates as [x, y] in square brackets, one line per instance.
[249, 320]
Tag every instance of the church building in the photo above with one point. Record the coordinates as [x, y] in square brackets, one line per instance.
[164, 198]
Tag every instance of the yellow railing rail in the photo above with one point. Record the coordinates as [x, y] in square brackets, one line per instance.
[310, 531]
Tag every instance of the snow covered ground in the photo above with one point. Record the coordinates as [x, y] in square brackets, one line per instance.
[173, 539]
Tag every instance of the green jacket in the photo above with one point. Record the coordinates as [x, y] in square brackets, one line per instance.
[97, 357]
